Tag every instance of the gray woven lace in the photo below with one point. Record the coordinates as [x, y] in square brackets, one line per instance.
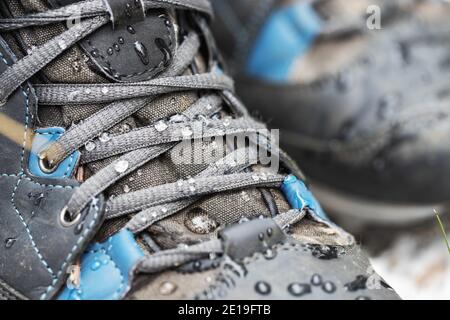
[136, 148]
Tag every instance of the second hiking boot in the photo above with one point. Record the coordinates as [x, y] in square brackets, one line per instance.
[360, 91]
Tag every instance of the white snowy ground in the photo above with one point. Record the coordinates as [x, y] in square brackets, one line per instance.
[413, 259]
[415, 270]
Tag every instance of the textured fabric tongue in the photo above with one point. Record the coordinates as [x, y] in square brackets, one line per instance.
[199, 222]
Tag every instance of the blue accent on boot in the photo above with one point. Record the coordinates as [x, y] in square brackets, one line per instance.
[299, 196]
[42, 139]
[286, 36]
[106, 269]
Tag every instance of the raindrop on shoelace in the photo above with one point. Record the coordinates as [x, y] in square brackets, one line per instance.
[167, 288]
[10, 242]
[262, 287]
[140, 172]
[186, 132]
[209, 107]
[105, 90]
[121, 166]
[191, 180]
[299, 289]
[104, 137]
[178, 118]
[263, 176]
[161, 126]
[255, 177]
[180, 183]
[164, 210]
[154, 215]
[192, 188]
[88, 91]
[126, 188]
[62, 44]
[90, 146]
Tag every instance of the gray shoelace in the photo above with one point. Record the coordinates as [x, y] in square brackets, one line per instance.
[138, 147]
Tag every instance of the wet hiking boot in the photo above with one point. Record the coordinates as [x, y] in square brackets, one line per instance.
[359, 90]
[116, 183]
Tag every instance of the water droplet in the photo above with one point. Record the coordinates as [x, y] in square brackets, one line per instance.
[90, 146]
[116, 47]
[104, 137]
[192, 188]
[164, 210]
[299, 289]
[261, 236]
[76, 66]
[10, 242]
[269, 232]
[88, 91]
[186, 132]
[105, 90]
[162, 46]
[96, 265]
[161, 126]
[95, 53]
[121, 40]
[199, 222]
[227, 121]
[131, 30]
[142, 52]
[126, 189]
[245, 196]
[362, 298]
[270, 254]
[140, 172]
[329, 287]
[191, 180]
[255, 177]
[62, 44]
[316, 280]
[243, 220]
[121, 166]
[110, 51]
[262, 288]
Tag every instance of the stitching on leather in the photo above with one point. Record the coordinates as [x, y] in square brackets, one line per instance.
[13, 201]
[108, 65]
[70, 255]
[35, 247]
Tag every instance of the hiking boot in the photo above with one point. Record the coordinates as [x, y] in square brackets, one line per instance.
[359, 91]
[116, 180]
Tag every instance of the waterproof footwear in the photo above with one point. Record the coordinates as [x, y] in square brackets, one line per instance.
[360, 91]
[116, 180]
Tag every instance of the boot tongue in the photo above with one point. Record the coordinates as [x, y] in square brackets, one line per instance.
[136, 47]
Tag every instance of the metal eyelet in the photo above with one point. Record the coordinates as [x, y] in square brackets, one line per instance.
[66, 220]
[44, 165]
